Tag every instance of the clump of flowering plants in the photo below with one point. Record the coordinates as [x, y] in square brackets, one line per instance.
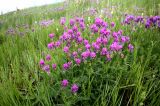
[147, 22]
[81, 45]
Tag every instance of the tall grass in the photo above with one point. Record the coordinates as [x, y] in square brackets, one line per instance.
[132, 81]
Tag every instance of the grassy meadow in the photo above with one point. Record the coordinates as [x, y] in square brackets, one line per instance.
[125, 78]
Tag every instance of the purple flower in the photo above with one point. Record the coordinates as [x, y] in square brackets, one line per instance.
[75, 28]
[63, 21]
[159, 24]
[104, 41]
[41, 62]
[72, 22]
[112, 24]
[57, 44]
[87, 46]
[78, 61]
[104, 51]
[66, 49]
[98, 21]
[130, 47]
[50, 45]
[66, 66]
[108, 56]
[46, 68]
[94, 28]
[51, 35]
[70, 31]
[85, 54]
[95, 46]
[64, 83]
[48, 57]
[74, 88]
[75, 54]
[98, 40]
[120, 32]
[54, 66]
[78, 34]
[103, 31]
[85, 42]
[104, 24]
[79, 39]
[92, 54]
[148, 23]
[125, 39]
[82, 26]
[115, 46]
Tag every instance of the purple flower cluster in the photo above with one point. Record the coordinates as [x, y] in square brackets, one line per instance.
[46, 23]
[67, 65]
[74, 87]
[46, 67]
[20, 30]
[153, 21]
[79, 49]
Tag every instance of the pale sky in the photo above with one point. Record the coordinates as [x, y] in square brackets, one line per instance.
[11, 5]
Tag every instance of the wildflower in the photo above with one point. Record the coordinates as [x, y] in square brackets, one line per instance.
[70, 31]
[82, 26]
[78, 34]
[66, 49]
[98, 22]
[120, 32]
[81, 20]
[95, 46]
[79, 39]
[148, 23]
[78, 61]
[66, 66]
[75, 28]
[85, 42]
[74, 88]
[48, 57]
[104, 24]
[104, 51]
[46, 68]
[103, 31]
[159, 24]
[63, 20]
[64, 83]
[75, 54]
[94, 28]
[98, 40]
[123, 39]
[50, 45]
[104, 41]
[54, 66]
[87, 46]
[130, 47]
[92, 54]
[112, 24]
[72, 22]
[108, 56]
[115, 46]
[57, 44]
[41, 62]
[51, 35]
[85, 54]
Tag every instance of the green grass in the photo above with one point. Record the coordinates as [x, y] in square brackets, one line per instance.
[132, 81]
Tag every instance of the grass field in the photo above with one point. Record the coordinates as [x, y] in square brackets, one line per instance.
[123, 76]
